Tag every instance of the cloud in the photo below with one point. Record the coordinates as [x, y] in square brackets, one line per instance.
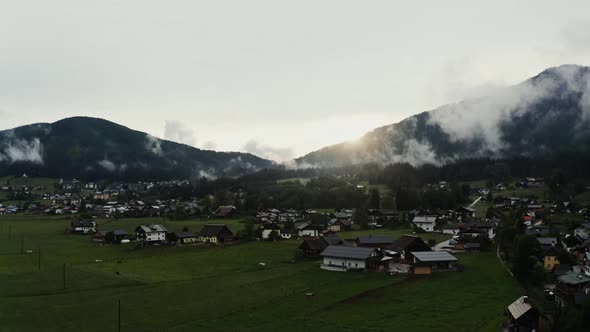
[178, 132]
[268, 152]
[482, 118]
[20, 150]
[108, 165]
[209, 145]
[153, 144]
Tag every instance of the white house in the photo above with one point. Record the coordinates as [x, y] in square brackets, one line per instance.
[343, 258]
[151, 233]
[427, 223]
[268, 229]
[83, 226]
[451, 229]
[307, 229]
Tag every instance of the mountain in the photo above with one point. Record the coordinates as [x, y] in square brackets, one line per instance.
[546, 115]
[91, 148]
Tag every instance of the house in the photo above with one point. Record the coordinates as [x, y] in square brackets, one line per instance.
[425, 262]
[452, 229]
[466, 212]
[550, 258]
[485, 228]
[337, 225]
[547, 242]
[269, 228]
[313, 247]
[382, 216]
[522, 316]
[344, 215]
[308, 230]
[183, 237]
[215, 234]
[402, 248]
[568, 285]
[583, 231]
[116, 236]
[344, 258]
[83, 226]
[153, 233]
[374, 241]
[427, 223]
[225, 211]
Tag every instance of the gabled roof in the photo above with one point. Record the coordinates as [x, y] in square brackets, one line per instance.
[404, 242]
[214, 230]
[184, 235]
[519, 307]
[374, 239]
[315, 244]
[305, 226]
[348, 252]
[573, 278]
[547, 241]
[152, 228]
[83, 223]
[424, 219]
[434, 256]
[332, 240]
[119, 232]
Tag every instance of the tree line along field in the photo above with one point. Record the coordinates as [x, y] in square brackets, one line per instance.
[198, 288]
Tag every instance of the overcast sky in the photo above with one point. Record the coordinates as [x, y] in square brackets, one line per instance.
[276, 78]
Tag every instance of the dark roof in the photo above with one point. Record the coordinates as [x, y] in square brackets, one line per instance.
[347, 252]
[225, 210]
[83, 223]
[332, 240]
[315, 244]
[404, 242]
[152, 228]
[572, 278]
[271, 226]
[374, 239]
[119, 232]
[434, 256]
[184, 235]
[307, 225]
[472, 245]
[214, 230]
[561, 269]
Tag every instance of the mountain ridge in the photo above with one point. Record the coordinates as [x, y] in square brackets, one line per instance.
[513, 121]
[88, 147]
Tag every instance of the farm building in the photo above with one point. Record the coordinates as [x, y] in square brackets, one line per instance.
[215, 234]
[344, 258]
[308, 230]
[426, 262]
[83, 226]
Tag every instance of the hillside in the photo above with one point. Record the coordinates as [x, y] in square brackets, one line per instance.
[91, 148]
[545, 115]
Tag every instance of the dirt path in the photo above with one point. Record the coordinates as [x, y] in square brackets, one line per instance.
[501, 261]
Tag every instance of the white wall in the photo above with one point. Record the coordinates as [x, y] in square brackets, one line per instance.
[347, 263]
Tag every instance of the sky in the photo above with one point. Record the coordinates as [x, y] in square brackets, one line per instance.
[275, 78]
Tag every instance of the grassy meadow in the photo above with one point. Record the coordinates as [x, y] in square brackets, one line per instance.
[188, 288]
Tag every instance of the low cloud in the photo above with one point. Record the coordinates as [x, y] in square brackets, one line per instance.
[20, 150]
[153, 144]
[268, 152]
[178, 132]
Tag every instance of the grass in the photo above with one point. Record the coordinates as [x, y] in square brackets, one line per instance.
[583, 198]
[187, 288]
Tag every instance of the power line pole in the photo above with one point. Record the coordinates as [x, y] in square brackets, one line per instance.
[119, 316]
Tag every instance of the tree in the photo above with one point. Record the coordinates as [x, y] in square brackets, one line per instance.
[361, 217]
[527, 256]
[374, 198]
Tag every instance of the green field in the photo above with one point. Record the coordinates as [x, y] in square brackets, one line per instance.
[189, 288]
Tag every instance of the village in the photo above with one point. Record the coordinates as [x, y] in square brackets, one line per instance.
[434, 240]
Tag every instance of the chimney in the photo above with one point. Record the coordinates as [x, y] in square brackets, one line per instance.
[525, 299]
